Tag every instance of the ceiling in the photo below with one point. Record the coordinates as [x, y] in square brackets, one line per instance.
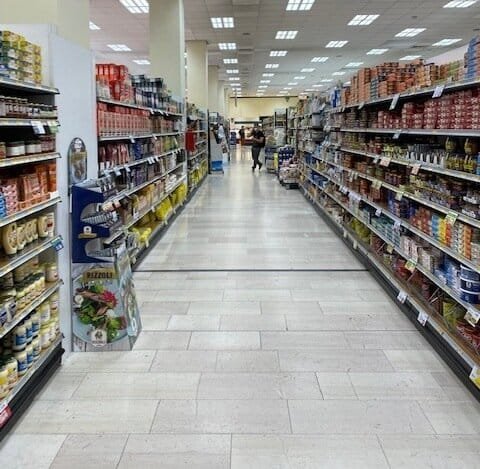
[256, 24]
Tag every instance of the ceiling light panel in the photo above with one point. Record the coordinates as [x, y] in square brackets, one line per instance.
[319, 59]
[286, 35]
[336, 44]
[278, 53]
[142, 61]
[460, 4]
[271, 65]
[225, 22]
[307, 70]
[135, 6]
[230, 61]
[317, 86]
[234, 78]
[268, 75]
[377, 51]
[299, 78]
[287, 88]
[362, 20]
[410, 57]
[93, 26]
[446, 42]
[119, 47]
[232, 71]
[338, 73]
[293, 83]
[264, 81]
[309, 90]
[263, 87]
[227, 45]
[410, 32]
[354, 64]
[299, 5]
[326, 80]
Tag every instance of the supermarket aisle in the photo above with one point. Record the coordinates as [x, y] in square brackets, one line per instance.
[255, 369]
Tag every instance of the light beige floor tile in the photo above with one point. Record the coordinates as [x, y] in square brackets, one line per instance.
[177, 452]
[88, 416]
[138, 386]
[257, 294]
[194, 322]
[415, 360]
[154, 340]
[258, 386]
[224, 307]
[190, 295]
[393, 340]
[358, 307]
[358, 417]
[334, 360]
[183, 361]
[160, 306]
[222, 416]
[154, 322]
[261, 322]
[29, 451]
[90, 451]
[131, 362]
[336, 386]
[306, 452]
[435, 451]
[224, 341]
[62, 385]
[248, 361]
[290, 307]
[303, 340]
[453, 418]
[322, 295]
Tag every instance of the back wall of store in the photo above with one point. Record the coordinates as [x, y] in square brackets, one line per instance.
[252, 108]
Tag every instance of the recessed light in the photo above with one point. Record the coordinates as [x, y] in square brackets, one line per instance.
[318, 86]
[268, 75]
[264, 81]
[326, 80]
[446, 42]
[93, 26]
[377, 51]
[234, 78]
[336, 44]
[135, 6]
[271, 65]
[293, 83]
[410, 32]
[232, 71]
[225, 22]
[354, 64]
[363, 20]
[410, 57]
[119, 47]
[307, 70]
[287, 88]
[286, 34]
[262, 87]
[460, 4]
[299, 78]
[319, 59]
[230, 61]
[142, 61]
[278, 53]
[348, 83]
[227, 45]
[338, 73]
[301, 5]
[309, 90]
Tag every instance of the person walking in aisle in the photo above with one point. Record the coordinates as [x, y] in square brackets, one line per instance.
[258, 138]
[242, 136]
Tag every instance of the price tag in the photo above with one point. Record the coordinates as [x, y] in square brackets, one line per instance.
[345, 234]
[390, 248]
[132, 139]
[355, 244]
[438, 91]
[351, 177]
[127, 169]
[416, 169]
[423, 318]
[474, 376]
[397, 225]
[385, 161]
[116, 203]
[451, 218]
[155, 137]
[360, 106]
[38, 127]
[411, 265]
[394, 102]
[378, 212]
[58, 244]
[150, 160]
[117, 172]
[399, 196]
[54, 195]
[377, 184]
[402, 296]
[396, 135]
[472, 316]
[152, 111]
[5, 414]
[376, 160]
[147, 243]
[157, 159]
[53, 126]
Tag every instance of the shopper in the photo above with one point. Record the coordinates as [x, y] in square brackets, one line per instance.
[258, 139]
[242, 135]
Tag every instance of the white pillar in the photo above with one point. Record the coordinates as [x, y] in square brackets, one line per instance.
[197, 73]
[167, 43]
[213, 88]
[221, 97]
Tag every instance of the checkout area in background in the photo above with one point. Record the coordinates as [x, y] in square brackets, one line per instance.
[235, 132]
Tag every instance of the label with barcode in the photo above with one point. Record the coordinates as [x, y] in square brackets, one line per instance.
[416, 169]
[472, 316]
[378, 212]
[402, 296]
[437, 93]
[423, 317]
[38, 127]
[474, 376]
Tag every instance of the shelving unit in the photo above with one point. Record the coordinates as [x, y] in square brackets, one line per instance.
[412, 216]
[20, 208]
[197, 151]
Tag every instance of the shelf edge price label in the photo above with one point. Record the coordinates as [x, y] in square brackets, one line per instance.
[58, 244]
[5, 413]
[402, 296]
[394, 102]
[385, 161]
[360, 106]
[397, 225]
[396, 135]
[416, 168]
[345, 234]
[132, 139]
[127, 169]
[411, 265]
[390, 248]
[117, 172]
[472, 316]
[378, 212]
[399, 196]
[474, 377]
[38, 127]
[423, 318]
[54, 195]
[451, 217]
[438, 91]
[53, 126]
[355, 244]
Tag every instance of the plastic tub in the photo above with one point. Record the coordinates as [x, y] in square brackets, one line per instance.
[468, 274]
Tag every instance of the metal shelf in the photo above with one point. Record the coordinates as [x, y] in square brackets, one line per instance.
[439, 132]
[19, 160]
[29, 211]
[138, 106]
[27, 122]
[137, 162]
[25, 86]
[197, 155]
[111, 138]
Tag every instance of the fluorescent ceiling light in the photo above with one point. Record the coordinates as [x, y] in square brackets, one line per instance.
[271, 65]
[446, 42]
[354, 64]
[317, 86]
[362, 20]
[338, 73]
[227, 45]
[268, 75]
[226, 22]
[263, 87]
[232, 71]
[410, 57]
[278, 53]
[142, 61]
[230, 61]
[460, 4]
[377, 51]
[348, 83]
[287, 88]
[336, 44]
[292, 83]
[135, 6]
[119, 47]
[93, 26]
[309, 90]
[286, 34]
[299, 78]
[319, 59]
[264, 81]
[307, 70]
[234, 79]
[410, 32]
[301, 5]
[326, 80]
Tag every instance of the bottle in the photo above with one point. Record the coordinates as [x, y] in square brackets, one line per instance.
[50, 224]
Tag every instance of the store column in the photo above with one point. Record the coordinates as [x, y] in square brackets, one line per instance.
[167, 43]
[197, 73]
[221, 97]
[213, 88]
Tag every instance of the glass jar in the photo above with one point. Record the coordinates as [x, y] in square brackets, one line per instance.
[51, 272]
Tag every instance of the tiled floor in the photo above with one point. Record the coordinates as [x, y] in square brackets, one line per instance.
[254, 369]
